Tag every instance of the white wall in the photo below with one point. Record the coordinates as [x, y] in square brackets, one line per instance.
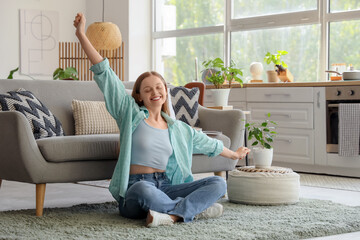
[139, 38]
[10, 27]
[132, 17]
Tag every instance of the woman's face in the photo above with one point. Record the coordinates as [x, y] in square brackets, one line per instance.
[153, 92]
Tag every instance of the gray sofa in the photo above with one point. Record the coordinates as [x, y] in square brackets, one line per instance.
[72, 158]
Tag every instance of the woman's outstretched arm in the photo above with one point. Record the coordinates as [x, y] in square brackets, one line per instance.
[79, 24]
[240, 153]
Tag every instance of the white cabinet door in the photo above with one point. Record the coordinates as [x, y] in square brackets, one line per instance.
[294, 146]
[283, 94]
[286, 115]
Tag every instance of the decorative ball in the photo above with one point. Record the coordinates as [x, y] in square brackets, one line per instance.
[256, 69]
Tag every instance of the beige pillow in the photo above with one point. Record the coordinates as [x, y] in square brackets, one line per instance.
[91, 117]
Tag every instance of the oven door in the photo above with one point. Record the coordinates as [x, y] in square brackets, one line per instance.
[332, 128]
[332, 124]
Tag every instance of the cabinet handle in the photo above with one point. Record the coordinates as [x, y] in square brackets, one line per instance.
[275, 94]
[318, 99]
[280, 114]
[283, 140]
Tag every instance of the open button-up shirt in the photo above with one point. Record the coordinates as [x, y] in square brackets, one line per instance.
[184, 139]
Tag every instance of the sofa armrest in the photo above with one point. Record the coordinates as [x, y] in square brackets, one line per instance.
[229, 122]
[20, 158]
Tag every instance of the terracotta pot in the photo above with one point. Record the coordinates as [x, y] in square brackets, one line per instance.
[272, 76]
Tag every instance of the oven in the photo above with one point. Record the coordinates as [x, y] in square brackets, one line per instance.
[334, 97]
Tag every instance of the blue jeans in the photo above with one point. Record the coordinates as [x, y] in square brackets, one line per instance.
[154, 191]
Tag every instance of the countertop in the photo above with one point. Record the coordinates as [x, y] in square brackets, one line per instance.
[293, 84]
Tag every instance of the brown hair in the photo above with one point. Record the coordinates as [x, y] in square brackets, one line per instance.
[136, 90]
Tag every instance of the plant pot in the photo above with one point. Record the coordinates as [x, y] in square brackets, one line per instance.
[220, 96]
[272, 76]
[262, 157]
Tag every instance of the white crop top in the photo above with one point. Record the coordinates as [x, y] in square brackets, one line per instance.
[150, 146]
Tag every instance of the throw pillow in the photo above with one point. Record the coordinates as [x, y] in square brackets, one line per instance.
[91, 117]
[185, 103]
[42, 121]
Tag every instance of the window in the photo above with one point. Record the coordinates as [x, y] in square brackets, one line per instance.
[180, 14]
[345, 43]
[316, 34]
[344, 5]
[177, 55]
[246, 8]
[301, 41]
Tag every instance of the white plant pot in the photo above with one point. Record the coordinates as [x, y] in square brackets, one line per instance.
[262, 157]
[220, 96]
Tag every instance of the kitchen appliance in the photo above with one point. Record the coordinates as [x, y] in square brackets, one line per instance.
[348, 75]
[334, 97]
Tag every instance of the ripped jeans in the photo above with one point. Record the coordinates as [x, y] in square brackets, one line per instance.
[154, 191]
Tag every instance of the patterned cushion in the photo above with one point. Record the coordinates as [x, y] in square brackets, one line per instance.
[185, 103]
[91, 117]
[42, 121]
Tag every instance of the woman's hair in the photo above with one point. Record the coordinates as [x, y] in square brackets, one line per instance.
[136, 89]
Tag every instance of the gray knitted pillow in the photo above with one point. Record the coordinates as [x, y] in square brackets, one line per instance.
[42, 121]
[185, 103]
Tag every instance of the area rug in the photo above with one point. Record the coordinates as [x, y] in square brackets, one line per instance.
[306, 219]
[333, 182]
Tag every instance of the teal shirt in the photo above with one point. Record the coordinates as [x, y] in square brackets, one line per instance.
[184, 139]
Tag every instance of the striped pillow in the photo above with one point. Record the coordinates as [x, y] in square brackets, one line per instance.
[91, 117]
[185, 103]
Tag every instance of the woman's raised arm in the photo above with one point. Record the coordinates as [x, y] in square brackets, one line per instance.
[79, 24]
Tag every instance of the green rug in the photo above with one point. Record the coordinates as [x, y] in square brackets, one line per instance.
[308, 218]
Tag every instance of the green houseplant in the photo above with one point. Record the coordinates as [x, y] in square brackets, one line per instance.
[262, 134]
[280, 67]
[217, 73]
[279, 64]
[69, 73]
[12, 73]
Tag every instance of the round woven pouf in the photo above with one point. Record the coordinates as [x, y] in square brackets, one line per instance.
[263, 186]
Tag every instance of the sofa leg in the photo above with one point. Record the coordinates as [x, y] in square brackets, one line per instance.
[40, 196]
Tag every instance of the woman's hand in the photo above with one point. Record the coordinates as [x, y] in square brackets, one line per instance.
[79, 24]
[242, 152]
[90, 51]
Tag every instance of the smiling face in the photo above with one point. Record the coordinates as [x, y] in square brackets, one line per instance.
[153, 92]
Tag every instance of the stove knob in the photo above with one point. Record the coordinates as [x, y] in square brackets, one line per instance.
[351, 92]
[338, 93]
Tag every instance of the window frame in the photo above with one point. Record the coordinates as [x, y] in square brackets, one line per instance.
[321, 15]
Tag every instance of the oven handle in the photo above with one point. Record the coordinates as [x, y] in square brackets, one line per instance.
[336, 105]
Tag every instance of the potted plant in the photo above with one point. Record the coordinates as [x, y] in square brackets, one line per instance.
[12, 73]
[280, 67]
[262, 134]
[218, 74]
[69, 73]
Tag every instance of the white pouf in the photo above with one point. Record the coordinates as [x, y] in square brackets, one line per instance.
[268, 186]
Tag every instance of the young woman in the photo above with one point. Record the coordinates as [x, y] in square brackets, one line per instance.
[152, 178]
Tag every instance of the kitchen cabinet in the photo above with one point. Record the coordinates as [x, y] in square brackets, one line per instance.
[301, 116]
[293, 110]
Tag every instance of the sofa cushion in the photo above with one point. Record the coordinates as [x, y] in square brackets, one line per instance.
[185, 103]
[42, 121]
[91, 117]
[80, 147]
